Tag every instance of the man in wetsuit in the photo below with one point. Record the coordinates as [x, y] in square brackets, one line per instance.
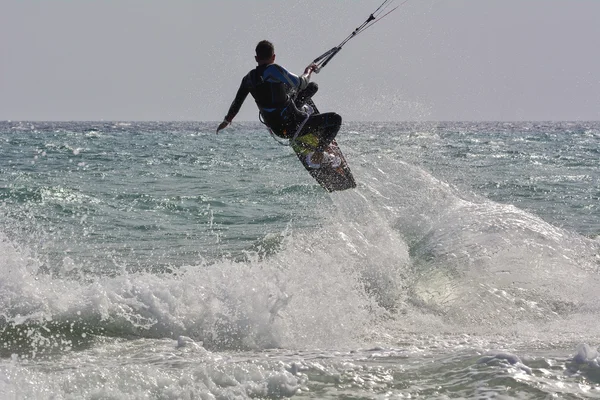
[273, 88]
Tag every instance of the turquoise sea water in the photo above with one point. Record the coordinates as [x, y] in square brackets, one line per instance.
[162, 261]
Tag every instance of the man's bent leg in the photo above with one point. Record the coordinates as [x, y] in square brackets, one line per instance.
[326, 127]
[306, 94]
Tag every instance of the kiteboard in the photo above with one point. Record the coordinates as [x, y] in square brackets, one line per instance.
[333, 175]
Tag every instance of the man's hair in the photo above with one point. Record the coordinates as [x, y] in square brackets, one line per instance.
[264, 50]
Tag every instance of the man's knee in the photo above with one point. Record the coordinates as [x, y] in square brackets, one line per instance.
[334, 120]
[310, 90]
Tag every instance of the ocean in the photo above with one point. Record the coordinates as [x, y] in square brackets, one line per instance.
[157, 260]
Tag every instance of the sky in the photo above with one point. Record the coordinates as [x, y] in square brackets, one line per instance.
[430, 60]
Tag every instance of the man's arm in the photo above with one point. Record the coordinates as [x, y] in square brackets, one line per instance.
[240, 96]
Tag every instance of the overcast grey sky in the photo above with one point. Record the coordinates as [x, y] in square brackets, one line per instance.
[184, 59]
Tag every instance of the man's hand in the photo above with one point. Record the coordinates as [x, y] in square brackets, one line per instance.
[222, 125]
[309, 70]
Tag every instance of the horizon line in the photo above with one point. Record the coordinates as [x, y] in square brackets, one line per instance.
[256, 121]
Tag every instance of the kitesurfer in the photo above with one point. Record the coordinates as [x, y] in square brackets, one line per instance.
[273, 88]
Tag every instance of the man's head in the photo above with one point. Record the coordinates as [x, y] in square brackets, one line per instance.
[265, 52]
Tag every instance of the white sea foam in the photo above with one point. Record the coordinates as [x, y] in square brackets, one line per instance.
[426, 276]
[384, 254]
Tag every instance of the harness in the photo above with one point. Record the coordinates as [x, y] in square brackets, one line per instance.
[273, 100]
[307, 109]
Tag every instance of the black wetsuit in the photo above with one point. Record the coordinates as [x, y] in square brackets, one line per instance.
[271, 86]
